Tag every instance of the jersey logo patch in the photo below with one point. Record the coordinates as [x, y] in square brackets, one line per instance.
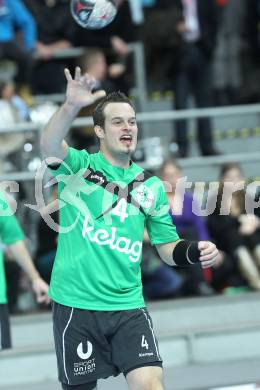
[144, 196]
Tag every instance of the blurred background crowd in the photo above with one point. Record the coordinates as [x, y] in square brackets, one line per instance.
[194, 53]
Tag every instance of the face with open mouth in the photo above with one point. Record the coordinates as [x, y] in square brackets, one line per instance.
[127, 139]
[120, 130]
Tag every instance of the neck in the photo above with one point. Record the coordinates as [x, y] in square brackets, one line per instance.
[121, 160]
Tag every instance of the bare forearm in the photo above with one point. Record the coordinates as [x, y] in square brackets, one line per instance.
[23, 258]
[62, 44]
[165, 252]
[52, 141]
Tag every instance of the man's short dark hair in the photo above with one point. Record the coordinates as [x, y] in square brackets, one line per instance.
[113, 97]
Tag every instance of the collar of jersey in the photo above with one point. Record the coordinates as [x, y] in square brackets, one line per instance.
[119, 170]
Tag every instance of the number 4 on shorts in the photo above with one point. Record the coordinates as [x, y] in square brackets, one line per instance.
[144, 342]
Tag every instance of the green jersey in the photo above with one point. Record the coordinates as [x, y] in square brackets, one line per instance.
[10, 232]
[103, 212]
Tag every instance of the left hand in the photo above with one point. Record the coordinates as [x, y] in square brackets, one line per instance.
[43, 51]
[116, 70]
[41, 290]
[120, 46]
[208, 253]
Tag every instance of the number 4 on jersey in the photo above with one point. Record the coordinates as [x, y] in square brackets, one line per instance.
[144, 343]
[120, 210]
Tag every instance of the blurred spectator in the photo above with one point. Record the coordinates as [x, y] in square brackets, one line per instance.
[114, 39]
[192, 68]
[227, 76]
[251, 57]
[189, 226]
[12, 111]
[193, 227]
[94, 62]
[8, 93]
[252, 27]
[55, 31]
[16, 20]
[161, 40]
[236, 232]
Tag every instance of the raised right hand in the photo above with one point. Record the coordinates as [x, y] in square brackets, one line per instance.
[79, 90]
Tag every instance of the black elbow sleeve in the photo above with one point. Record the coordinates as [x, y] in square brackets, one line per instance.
[186, 253]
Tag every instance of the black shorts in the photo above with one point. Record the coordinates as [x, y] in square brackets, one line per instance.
[5, 335]
[91, 345]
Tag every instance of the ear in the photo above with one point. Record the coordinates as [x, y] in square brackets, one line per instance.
[99, 132]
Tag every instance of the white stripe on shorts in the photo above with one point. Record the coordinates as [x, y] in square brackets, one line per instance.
[63, 344]
[154, 339]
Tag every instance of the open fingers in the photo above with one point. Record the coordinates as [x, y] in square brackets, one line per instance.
[77, 73]
[88, 81]
[67, 74]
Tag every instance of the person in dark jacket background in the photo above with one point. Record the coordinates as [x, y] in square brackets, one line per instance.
[15, 18]
[192, 68]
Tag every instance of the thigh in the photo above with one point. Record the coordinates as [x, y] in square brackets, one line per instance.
[145, 378]
[84, 386]
[5, 334]
[134, 344]
[83, 353]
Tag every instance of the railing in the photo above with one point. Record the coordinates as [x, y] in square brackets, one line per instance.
[139, 90]
[157, 116]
